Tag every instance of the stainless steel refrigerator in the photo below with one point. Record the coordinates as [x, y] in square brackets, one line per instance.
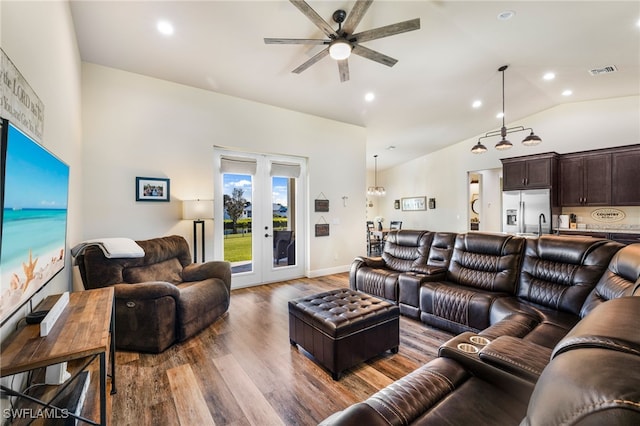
[522, 210]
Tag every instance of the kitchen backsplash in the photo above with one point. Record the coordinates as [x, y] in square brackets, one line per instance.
[630, 221]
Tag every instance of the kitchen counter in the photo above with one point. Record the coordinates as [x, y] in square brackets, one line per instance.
[602, 230]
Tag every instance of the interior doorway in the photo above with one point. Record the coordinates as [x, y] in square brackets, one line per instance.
[485, 200]
[261, 205]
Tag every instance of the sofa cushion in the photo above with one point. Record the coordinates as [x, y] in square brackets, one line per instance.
[547, 325]
[486, 261]
[559, 272]
[618, 280]
[455, 307]
[404, 249]
[168, 270]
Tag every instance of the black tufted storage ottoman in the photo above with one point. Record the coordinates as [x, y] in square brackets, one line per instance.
[342, 328]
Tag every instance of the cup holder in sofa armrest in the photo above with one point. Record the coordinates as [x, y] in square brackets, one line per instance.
[519, 357]
[466, 348]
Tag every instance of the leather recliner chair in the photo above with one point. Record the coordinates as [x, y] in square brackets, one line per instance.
[162, 297]
[483, 268]
[556, 277]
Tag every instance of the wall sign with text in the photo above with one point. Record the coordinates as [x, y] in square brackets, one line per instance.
[18, 102]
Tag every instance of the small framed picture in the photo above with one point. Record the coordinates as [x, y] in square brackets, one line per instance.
[414, 203]
[321, 205]
[322, 230]
[152, 189]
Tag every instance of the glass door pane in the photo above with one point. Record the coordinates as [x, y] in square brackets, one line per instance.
[283, 202]
[238, 229]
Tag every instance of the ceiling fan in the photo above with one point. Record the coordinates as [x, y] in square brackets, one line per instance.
[343, 41]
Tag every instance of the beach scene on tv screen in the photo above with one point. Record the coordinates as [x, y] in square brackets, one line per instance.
[34, 220]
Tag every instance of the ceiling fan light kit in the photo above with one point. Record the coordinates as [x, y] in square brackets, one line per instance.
[344, 41]
[339, 49]
[531, 140]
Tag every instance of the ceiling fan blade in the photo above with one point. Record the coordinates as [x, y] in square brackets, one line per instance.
[295, 41]
[386, 31]
[373, 55]
[313, 60]
[314, 17]
[343, 69]
[356, 14]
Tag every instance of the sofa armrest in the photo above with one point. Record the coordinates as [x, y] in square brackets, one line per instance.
[203, 271]
[360, 262]
[517, 356]
[357, 415]
[429, 270]
[145, 291]
[371, 262]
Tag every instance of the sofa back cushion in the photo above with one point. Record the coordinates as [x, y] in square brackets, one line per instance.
[559, 272]
[486, 261]
[441, 249]
[406, 248]
[163, 260]
[622, 274]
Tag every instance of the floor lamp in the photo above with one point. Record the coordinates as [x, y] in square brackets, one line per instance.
[198, 211]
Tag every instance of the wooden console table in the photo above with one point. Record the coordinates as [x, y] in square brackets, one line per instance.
[84, 330]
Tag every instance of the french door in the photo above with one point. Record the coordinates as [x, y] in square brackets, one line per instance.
[259, 215]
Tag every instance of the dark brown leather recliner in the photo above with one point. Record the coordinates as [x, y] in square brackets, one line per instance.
[378, 276]
[483, 268]
[160, 298]
[558, 273]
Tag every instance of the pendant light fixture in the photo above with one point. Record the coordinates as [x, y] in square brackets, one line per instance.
[376, 190]
[530, 140]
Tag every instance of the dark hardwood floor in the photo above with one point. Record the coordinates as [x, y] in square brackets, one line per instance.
[243, 371]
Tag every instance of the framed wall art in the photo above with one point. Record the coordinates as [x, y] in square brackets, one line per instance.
[414, 203]
[152, 189]
[322, 230]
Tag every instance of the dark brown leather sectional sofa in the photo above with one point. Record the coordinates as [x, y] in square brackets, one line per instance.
[558, 314]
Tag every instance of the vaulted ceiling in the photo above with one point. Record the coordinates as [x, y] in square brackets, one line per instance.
[421, 104]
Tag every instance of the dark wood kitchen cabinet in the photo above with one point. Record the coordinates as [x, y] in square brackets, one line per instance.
[585, 179]
[625, 176]
[529, 172]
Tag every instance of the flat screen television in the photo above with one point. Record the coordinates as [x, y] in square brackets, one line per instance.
[35, 189]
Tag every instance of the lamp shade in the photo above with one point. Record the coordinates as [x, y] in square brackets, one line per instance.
[197, 209]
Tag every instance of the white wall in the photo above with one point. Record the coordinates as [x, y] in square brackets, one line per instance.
[443, 174]
[139, 126]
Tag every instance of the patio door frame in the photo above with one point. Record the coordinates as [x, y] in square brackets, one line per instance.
[263, 269]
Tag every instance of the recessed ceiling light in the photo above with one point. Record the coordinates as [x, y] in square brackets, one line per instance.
[165, 27]
[549, 76]
[567, 92]
[476, 104]
[500, 114]
[369, 97]
[506, 15]
[638, 23]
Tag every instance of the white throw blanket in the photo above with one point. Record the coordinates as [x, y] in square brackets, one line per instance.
[111, 247]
